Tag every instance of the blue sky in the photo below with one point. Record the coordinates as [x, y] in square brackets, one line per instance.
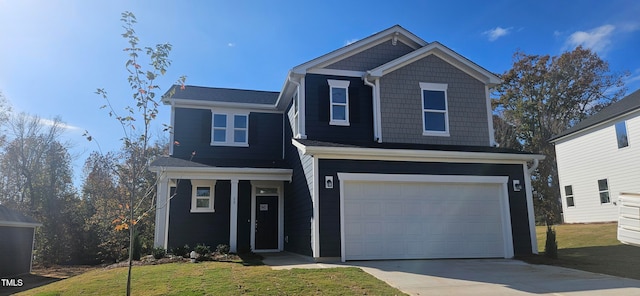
[54, 53]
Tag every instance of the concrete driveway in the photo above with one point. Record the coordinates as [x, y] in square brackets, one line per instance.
[475, 276]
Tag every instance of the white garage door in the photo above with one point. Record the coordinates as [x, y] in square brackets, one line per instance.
[417, 220]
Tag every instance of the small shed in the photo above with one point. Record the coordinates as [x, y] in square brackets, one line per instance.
[17, 234]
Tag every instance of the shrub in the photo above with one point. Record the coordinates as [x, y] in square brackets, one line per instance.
[158, 253]
[551, 245]
[181, 251]
[222, 249]
[202, 250]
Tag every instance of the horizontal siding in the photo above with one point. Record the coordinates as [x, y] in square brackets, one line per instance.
[360, 129]
[193, 131]
[583, 160]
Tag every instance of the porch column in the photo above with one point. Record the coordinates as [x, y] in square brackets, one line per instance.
[233, 223]
[162, 213]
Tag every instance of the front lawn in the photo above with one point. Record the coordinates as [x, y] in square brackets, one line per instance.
[219, 278]
[591, 247]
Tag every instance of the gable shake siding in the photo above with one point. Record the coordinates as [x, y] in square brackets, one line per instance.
[372, 57]
[330, 198]
[360, 129]
[401, 104]
[194, 134]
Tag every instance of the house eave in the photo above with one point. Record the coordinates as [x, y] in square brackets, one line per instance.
[414, 155]
[20, 224]
[223, 173]
[588, 129]
[186, 103]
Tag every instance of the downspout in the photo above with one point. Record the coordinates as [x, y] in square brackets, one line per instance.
[298, 124]
[534, 166]
[376, 132]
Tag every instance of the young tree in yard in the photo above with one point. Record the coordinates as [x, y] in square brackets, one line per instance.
[541, 96]
[135, 124]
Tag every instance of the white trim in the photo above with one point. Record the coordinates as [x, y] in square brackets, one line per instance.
[315, 220]
[194, 195]
[172, 139]
[268, 184]
[246, 107]
[336, 72]
[161, 201]
[530, 213]
[492, 139]
[224, 173]
[413, 155]
[435, 87]
[588, 129]
[229, 128]
[233, 217]
[340, 84]
[33, 245]
[441, 51]
[302, 105]
[453, 179]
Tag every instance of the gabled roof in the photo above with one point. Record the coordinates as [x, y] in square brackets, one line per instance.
[444, 52]
[10, 217]
[396, 31]
[628, 104]
[192, 94]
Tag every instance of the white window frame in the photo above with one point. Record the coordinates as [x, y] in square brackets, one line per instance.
[435, 87]
[567, 196]
[600, 192]
[230, 130]
[344, 84]
[626, 133]
[194, 195]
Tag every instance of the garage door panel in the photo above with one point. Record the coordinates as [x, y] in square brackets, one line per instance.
[412, 220]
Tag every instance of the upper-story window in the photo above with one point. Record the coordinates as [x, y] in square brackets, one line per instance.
[621, 134]
[435, 116]
[230, 129]
[339, 102]
[296, 111]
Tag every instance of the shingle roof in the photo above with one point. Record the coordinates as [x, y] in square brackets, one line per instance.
[168, 161]
[14, 217]
[215, 94]
[429, 147]
[627, 104]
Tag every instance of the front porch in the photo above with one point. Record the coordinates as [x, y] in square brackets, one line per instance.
[200, 204]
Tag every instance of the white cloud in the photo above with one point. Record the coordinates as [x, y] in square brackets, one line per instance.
[497, 32]
[596, 39]
[231, 44]
[63, 125]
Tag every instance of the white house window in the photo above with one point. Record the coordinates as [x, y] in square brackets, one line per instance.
[435, 115]
[202, 196]
[230, 129]
[621, 134]
[339, 102]
[603, 189]
[296, 110]
[568, 195]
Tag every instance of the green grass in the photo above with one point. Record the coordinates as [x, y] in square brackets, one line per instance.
[219, 278]
[591, 247]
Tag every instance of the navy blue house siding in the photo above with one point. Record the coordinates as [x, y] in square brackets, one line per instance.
[317, 112]
[189, 228]
[15, 250]
[330, 198]
[194, 134]
[244, 216]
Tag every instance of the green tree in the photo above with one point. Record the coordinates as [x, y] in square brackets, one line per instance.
[542, 96]
[135, 123]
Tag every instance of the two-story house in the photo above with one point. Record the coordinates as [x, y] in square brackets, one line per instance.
[597, 160]
[382, 149]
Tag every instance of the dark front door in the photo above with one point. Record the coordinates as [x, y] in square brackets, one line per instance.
[266, 222]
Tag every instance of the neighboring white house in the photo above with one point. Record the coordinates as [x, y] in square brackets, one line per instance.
[598, 159]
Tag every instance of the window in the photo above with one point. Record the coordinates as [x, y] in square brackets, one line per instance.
[339, 102]
[603, 188]
[621, 134]
[202, 196]
[435, 117]
[296, 110]
[230, 129]
[568, 194]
